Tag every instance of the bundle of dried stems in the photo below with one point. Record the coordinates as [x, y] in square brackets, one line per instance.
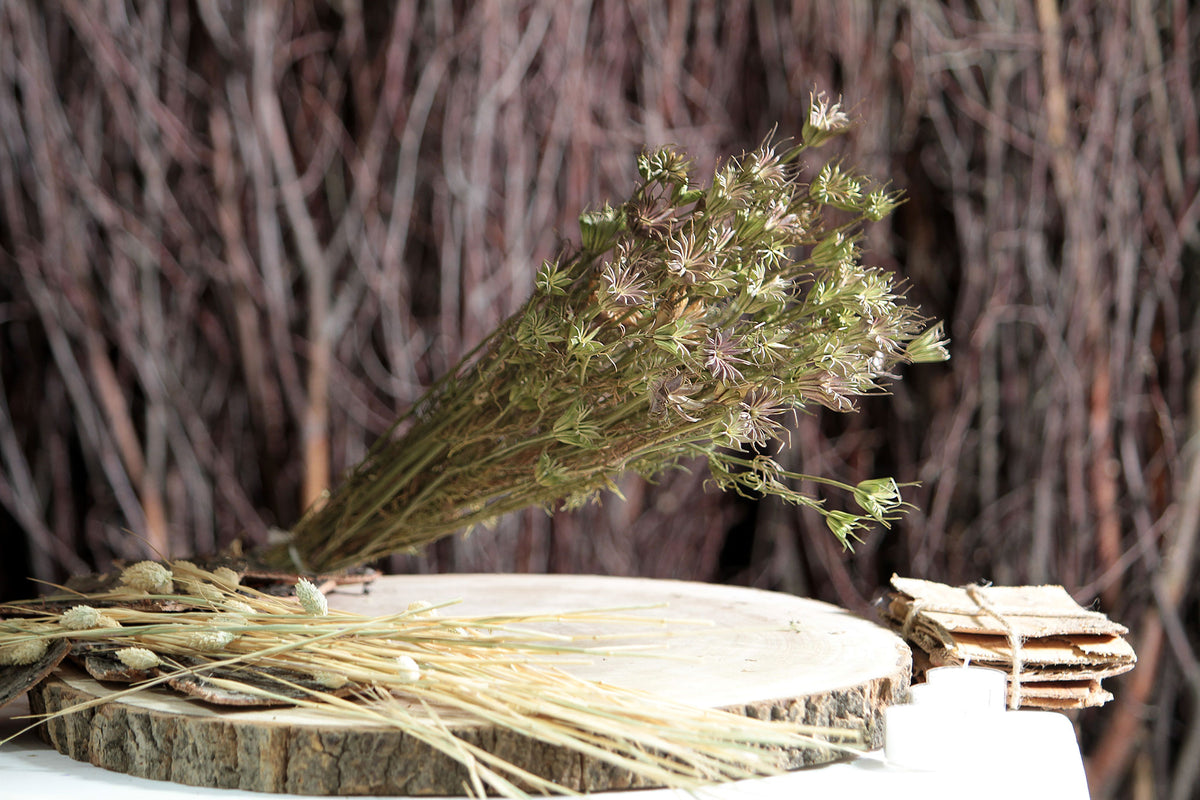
[409, 670]
[691, 320]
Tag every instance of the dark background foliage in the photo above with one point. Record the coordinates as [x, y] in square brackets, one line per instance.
[236, 239]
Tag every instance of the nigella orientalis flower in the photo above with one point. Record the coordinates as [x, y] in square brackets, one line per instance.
[765, 165]
[689, 257]
[675, 394]
[760, 407]
[624, 284]
[825, 120]
[686, 323]
[722, 354]
[650, 217]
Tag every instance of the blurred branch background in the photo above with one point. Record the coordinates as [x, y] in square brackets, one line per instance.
[237, 239]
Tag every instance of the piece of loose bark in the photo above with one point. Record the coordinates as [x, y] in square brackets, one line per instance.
[103, 665]
[196, 685]
[17, 680]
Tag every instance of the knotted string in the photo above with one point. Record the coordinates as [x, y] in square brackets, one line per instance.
[975, 592]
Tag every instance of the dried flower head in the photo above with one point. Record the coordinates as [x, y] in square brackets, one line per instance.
[929, 346]
[689, 257]
[138, 657]
[25, 651]
[202, 590]
[227, 576]
[760, 407]
[82, 618]
[407, 669]
[624, 285]
[879, 497]
[330, 680]
[421, 608]
[209, 641]
[675, 394]
[599, 229]
[650, 216]
[765, 167]
[844, 525]
[311, 598]
[825, 119]
[722, 354]
[839, 189]
[148, 576]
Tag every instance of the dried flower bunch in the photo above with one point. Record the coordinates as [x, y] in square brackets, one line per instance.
[209, 637]
[689, 323]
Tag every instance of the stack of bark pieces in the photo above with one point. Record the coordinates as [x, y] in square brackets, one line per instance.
[1054, 651]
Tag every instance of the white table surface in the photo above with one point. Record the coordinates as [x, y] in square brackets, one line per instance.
[32, 769]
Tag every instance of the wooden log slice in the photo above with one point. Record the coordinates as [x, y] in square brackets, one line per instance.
[765, 655]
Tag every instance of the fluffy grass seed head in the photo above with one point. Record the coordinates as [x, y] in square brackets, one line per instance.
[149, 577]
[137, 657]
[330, 680]
[311, 598]
[205, 591]
[227, 576]
[82, 618]
[422, 608]
[238, 606]
[209, 641]
[407, 669]
[20, 653]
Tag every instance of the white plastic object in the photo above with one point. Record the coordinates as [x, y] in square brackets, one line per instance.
[968, 687]
[957, 724]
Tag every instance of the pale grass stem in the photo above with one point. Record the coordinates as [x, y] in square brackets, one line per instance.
[413, 669]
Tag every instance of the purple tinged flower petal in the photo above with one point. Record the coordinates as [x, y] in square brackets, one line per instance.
[721, 355]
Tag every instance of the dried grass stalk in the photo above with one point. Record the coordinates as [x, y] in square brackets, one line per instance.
[412, 669]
